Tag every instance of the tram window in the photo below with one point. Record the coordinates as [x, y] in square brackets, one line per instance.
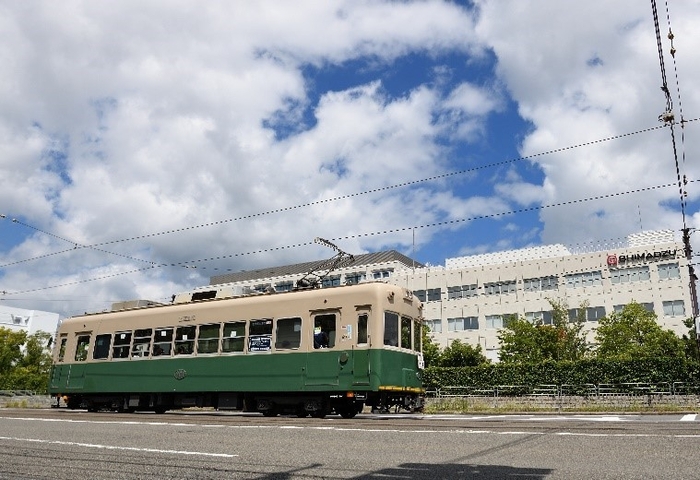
[288, 333]
[260, 335]
[142, 343]
[62, 348]
[81, 349]
[391, 329]
[362, 328]
[417, 336]
[406, 332]
[163, 342]
[324, 330]
[234, 337]
[184, 340]
[122, 342]
[102, 344]
[208, 340]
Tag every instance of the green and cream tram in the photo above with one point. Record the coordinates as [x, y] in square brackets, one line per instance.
[306, 352]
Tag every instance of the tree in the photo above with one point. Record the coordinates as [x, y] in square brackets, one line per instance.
[10, 349]
[25, 361]
[525, 341]
[458, 354]
[690, 340]
[431, 352]
[634, 333]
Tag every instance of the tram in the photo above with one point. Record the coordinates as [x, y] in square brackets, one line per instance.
[304, 352]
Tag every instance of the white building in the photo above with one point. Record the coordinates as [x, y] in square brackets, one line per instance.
[470, 296]
[31, 321]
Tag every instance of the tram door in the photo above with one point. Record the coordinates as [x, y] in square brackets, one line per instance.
[360, 352]
[322, 367]
[59, 375]
[76, 373]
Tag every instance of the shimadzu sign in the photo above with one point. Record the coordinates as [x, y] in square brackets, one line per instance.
[615, 260]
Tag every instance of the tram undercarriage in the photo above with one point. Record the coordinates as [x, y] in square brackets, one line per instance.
[316, 405]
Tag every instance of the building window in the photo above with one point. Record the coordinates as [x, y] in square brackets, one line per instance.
[262, 288]
[669, 270]
[674, 308]
[499, 288]
[543, 317]
[462, 323]
[541, 283]
[629, 275]
[434, 294]
[649, 307]
[354, 278]
[497, 321]
[284, 286]
[333, 281]
[383, 273]
[435, 326]
[585, 279]
[420, 295]
[591, 314]
[462, 291]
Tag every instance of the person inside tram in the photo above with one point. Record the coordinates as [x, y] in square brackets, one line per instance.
[320, 338]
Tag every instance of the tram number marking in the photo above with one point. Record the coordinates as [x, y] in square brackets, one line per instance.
[180, 374]
[187, 318]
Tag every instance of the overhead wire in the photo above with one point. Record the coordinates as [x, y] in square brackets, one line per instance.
[94, 246]
[350, 237]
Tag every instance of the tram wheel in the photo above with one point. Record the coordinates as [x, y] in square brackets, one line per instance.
[270, 412]
[301, 412]
[348, 412]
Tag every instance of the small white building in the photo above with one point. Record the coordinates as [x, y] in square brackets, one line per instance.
[31, 321]
[469, 298]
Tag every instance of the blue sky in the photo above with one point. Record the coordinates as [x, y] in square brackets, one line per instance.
[228, 135]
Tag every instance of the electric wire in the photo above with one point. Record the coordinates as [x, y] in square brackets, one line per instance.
[94, 246]
[350, 237]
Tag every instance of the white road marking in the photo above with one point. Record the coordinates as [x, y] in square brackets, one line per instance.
[689, 418]
[114, 447]
[600, 418]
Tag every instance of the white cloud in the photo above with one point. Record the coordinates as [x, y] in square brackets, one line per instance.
[119, 120]
[584, 72]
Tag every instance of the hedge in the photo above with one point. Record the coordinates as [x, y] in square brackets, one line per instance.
[592, 371]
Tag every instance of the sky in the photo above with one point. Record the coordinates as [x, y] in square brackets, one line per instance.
[146, 146]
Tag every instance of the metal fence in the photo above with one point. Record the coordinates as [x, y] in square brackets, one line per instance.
[17, 393]
[588, 390]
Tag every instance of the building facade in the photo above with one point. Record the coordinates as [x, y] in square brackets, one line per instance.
[470, 297]
[30, 321]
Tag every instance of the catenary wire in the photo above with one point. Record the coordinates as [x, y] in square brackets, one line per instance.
[349, 237]
[95, 246]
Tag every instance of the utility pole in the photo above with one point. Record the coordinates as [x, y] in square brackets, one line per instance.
[692, 278]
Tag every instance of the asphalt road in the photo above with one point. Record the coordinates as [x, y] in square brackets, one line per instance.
[61, 444]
